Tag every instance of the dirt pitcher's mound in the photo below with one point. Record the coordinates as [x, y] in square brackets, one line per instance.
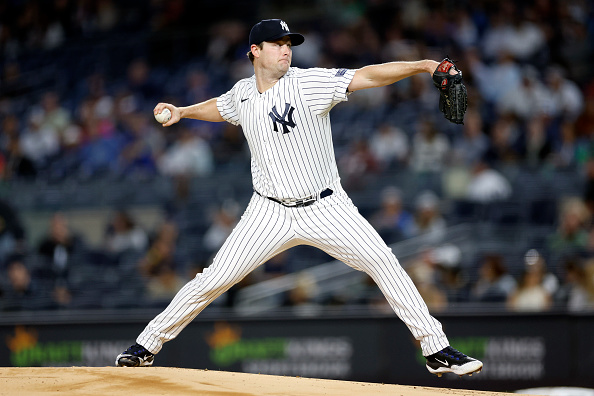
[175, 381]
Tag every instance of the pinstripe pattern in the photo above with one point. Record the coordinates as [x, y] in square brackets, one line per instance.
[302, 162]
[332, 224]
[335, 226]
[295, 161]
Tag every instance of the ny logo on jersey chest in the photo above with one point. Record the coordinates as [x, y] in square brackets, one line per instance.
[286, 120]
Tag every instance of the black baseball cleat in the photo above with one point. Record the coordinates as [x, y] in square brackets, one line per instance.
[135, 356]
[449, 360]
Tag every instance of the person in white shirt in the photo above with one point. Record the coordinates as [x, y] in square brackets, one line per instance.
[487, 184]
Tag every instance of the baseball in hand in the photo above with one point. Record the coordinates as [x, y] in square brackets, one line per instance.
[163, 116]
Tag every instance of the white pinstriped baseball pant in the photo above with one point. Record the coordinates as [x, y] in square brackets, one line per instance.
[267, 228]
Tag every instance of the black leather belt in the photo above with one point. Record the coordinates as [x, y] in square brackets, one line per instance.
[299, 203]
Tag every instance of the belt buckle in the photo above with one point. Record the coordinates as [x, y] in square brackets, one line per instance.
[303, 202]
[289, 201]
[298, 202]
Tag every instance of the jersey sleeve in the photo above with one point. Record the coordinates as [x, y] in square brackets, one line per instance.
[226, 104]
[324, 88]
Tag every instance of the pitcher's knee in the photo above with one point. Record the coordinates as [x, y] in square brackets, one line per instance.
[381, 259]
[210, 283]
[381, 265]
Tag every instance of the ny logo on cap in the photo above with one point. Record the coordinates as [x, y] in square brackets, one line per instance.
[284, 26]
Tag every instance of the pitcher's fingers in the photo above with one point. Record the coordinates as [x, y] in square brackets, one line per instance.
[159, 108]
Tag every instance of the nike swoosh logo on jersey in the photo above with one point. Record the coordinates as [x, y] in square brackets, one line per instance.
[444, 363]
[243, 100]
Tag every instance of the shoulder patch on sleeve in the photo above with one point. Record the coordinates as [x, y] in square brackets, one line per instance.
[340, 72]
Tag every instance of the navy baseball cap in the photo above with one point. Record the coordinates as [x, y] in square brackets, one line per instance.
[273, 29]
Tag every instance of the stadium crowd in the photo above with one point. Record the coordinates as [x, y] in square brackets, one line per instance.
[79, 80]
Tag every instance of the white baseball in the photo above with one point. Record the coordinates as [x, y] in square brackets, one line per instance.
[163, 116]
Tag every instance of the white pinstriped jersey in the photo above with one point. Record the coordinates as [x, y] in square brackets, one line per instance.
[288, 129]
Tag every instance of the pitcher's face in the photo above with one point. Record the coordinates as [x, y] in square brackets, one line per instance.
[276, 55]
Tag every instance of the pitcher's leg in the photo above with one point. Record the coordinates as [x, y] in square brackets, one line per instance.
[261, 233]
[335, 226]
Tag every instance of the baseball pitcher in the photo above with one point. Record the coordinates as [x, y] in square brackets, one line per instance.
[298, 197]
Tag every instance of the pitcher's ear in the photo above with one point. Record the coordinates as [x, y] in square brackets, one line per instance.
[255, 49]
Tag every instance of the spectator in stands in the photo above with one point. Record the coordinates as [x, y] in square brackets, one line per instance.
[513, 31]
[124, 234]
[56, 249]
[571, 234]
[494, 284]
[357, 164]
[503, 147]
[430, 148]
[534, 261]
[223, 221]
[12, 232]
[397, 46]
[589, 284]
[565, 100]
[526, 100]
[226, 41]
[190, 155]
[423, 272]
[496, 80]
[525, 40]
[16, 163]
[472, 143]
[576, 293]
[428, 219]
[55, 116]
[303, 297]
[139, 83]
[99, 152]
[101, 142]
[14, 84]
[466, 32]
[144, 145]
[389, 146]
[392, 220]
[311, 54]
[160, 265]
[97, 107]
[10, 131]
[570, 151]
[229, 145]
[538, 147]
[197, 89]
[20, 290]
[161, 252]
[72, 138]
[39, 143]
[530, 295]
[451, 276]
[487, 184]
